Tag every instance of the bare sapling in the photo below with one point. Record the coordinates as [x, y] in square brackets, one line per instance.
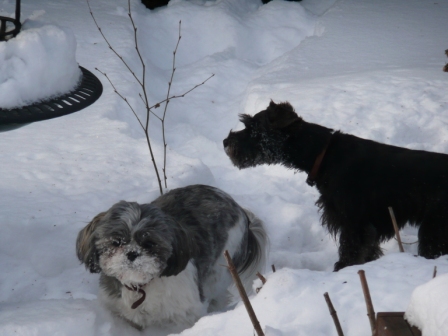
[148, 107]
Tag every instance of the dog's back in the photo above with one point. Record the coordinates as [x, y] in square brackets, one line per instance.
[218, 224]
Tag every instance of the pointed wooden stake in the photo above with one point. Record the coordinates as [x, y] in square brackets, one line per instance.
[243, 294]
[370, 311]
[334, 315]
[397, 232]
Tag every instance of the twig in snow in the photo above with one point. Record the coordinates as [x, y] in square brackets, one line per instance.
[334, 315]
[434, 273]
[369, 305]
[263, 281]
[243, 294]
[262, 278]
[397, 232]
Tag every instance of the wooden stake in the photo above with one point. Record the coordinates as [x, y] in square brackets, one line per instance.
[262, 278]
[333, 314]
[243, 294]
[273, 268]
[369, 305]
[263, 281]
[397, 233]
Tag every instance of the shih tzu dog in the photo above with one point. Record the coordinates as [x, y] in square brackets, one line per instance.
[162, 263]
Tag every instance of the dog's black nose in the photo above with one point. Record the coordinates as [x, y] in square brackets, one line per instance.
[225, 142]
[132, 255]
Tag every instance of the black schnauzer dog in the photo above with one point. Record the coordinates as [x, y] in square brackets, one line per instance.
[357, 179]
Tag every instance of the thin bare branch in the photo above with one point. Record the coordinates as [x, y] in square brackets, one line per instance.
[121, 96]
[143, 83]
[152, 112]
[181, 95]
[110, 47]
[148, 141]
[167, 102]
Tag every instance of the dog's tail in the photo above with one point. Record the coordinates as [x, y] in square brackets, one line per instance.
[257, 246]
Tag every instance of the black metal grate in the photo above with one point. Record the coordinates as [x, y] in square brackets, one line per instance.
[5, 33]
[87, 92]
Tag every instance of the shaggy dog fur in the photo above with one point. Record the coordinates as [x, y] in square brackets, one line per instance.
[357, 179]
[161, 263]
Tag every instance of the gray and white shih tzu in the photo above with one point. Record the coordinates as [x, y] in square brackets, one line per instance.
[162, 262]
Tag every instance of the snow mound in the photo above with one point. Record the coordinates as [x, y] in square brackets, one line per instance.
[428, 309]
[38, 64]
[246, 29]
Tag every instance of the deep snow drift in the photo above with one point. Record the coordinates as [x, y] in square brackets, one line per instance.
[370, 68]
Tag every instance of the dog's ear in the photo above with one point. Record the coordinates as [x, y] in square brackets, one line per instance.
[85, 245]
[183, 250]
[281, 115]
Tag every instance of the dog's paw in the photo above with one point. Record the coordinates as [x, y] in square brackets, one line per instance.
[339, 265]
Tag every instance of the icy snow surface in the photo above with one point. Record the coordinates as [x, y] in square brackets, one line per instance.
[370, 68]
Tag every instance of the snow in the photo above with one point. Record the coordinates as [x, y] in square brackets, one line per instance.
[370, 68]
[427, 309]
[38, 64]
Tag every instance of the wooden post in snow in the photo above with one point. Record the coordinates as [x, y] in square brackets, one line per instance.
[370, 311]
[243, 294]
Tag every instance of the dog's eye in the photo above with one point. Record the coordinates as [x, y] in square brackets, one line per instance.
[148, 245]
[116, 243]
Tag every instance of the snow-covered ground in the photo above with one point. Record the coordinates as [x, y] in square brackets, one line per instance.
[370, 68]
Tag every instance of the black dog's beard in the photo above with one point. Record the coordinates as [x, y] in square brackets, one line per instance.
[242, 160]
[267, 151]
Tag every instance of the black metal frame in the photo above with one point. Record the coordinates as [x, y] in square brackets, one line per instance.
[85, 94]
[5, 35]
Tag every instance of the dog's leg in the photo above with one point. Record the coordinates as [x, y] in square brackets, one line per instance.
[433, 237]
[350, 249]
[357, 246]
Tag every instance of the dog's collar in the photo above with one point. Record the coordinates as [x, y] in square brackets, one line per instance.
[311, 180]
[138, 289]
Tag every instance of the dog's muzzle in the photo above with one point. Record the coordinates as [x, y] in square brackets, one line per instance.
[226, 144]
